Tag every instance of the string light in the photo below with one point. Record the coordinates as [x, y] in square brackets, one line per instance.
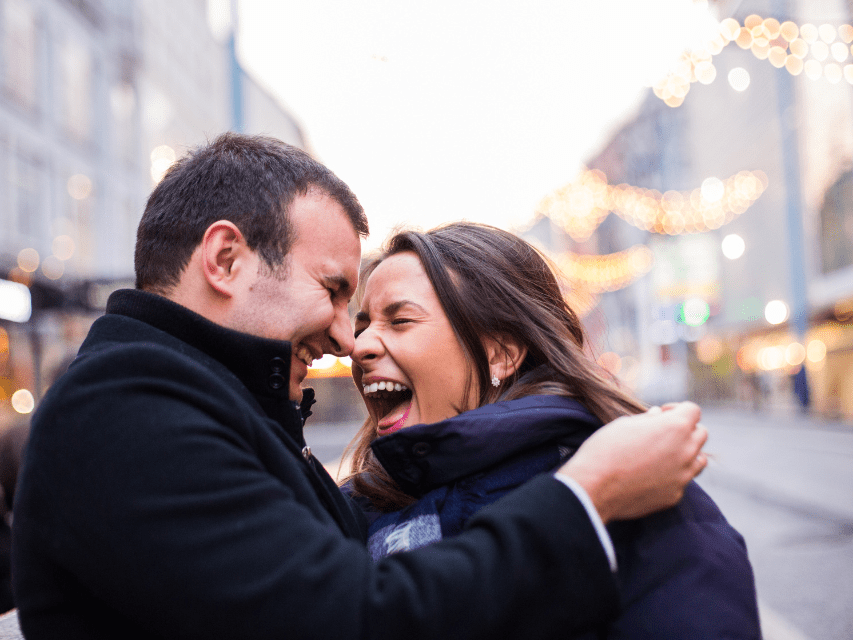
[599, 273]
[785, 44]
[578, 207]
[780, 353]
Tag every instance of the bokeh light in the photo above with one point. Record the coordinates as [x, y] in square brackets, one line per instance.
[820, 51]
[52, 268]
[330, 366]
[816, 351]
[63, 247]
[813, 69]
[713, 189]
[23, 401]
[162, 157]
[28, 260]
[789, 30]
[611, 362]
[770, 358]
[827, 33]
[79, 186]
[776, 312]
[709, 349]
[795, 354]
[695, 312]
[739, 79]
[839, 51]
[733, 246]
[808, 32]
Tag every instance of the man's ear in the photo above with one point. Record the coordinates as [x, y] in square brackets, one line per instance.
[225, 257]
[505, 355]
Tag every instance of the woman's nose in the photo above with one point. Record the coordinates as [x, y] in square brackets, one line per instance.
[367, 346]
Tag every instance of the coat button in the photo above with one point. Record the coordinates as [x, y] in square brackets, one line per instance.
[276, 381]
[306, 452]
[277, 365]
[420, 449]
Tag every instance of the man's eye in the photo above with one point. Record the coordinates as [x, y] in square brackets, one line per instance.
[358, 332]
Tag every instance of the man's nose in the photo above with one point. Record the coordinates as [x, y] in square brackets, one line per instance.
[340, 334]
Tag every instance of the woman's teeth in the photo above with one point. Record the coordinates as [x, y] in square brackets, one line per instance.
[384, 386]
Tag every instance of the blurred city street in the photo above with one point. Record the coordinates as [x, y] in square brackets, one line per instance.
[786, 483]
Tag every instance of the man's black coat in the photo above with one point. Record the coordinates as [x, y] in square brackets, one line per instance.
[165, 494]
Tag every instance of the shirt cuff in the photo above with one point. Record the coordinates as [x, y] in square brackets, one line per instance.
[597, 523]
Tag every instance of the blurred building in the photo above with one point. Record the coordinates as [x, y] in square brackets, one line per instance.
[97, 99]
[793, 122]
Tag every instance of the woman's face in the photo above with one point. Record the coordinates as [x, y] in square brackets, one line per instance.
[407, 361]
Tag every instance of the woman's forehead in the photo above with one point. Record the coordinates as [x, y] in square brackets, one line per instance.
[399, 275]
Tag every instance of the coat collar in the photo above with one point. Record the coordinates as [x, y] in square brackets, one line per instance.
[261, 364]
[423, 457]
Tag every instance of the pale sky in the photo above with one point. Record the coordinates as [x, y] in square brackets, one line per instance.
[451, 109]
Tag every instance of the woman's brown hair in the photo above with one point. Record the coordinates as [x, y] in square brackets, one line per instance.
[493, 284]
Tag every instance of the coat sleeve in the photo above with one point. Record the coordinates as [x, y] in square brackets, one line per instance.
[685, 574]
[158, 498]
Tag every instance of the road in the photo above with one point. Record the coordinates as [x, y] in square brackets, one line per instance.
[786, 483]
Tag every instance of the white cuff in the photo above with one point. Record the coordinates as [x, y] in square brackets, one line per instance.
[600, 529]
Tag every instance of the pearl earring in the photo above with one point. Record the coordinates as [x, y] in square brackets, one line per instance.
[495, 381]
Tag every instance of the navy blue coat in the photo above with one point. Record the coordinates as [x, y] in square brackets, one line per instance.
[166, 494]
[683, 572]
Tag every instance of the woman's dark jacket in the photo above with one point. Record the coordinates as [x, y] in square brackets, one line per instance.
[683, 572]
[166, 493]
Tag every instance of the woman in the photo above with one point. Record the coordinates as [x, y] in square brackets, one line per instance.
[473, 370]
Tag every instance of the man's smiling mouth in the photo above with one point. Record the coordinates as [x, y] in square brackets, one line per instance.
[304, 354]
[390, 402]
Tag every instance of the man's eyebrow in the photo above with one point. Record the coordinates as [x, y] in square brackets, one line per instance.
[338, 282]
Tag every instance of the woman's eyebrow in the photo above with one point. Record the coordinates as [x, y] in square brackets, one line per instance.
[390, 309]
[394, 307]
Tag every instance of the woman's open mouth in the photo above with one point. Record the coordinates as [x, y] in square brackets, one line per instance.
[390, 402]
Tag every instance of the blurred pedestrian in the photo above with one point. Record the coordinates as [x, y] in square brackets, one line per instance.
[12, 441]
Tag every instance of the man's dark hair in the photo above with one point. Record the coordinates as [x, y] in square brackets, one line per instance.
[248, 180]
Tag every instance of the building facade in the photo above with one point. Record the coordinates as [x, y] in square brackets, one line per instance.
[97, 99]
[796, 129]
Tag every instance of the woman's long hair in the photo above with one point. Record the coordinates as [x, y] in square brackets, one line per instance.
[493, 284]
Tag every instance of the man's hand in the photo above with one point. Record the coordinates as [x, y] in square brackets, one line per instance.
[640, 464]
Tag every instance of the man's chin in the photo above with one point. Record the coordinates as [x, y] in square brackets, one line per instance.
[295, 392]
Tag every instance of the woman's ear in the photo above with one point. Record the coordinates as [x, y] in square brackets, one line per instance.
[505, 356]
[225, 257]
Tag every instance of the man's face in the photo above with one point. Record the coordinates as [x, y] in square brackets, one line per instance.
[306, 301]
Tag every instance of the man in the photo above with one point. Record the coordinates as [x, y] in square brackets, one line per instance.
[168, 490]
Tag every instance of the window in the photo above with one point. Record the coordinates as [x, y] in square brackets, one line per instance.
[836, 220]
[76, 82]
[19, 52]
[26, 178]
